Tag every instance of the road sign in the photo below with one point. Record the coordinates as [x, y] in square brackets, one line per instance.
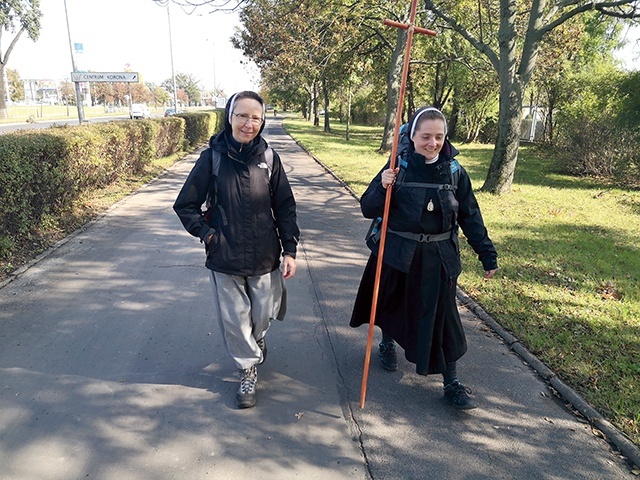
[105, 77]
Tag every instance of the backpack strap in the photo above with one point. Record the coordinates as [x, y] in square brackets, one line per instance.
[212, 194]
[455, 174]
[268, 158]
[215, 162]
[455, 177]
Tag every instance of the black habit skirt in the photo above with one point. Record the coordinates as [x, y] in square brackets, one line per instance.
[418, 309]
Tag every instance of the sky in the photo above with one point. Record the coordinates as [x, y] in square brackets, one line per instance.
[630, 53]
[119, 35]
[134, 35]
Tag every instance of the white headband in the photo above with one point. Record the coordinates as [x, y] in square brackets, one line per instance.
[415, 120]
[233, 103]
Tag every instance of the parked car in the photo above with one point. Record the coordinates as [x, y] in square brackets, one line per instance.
[139, 110]
[170, 111]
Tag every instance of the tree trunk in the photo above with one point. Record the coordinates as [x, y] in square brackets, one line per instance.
[3, 93]
[348, 113]
[394, 81]
[325, 94]
[316, 119]
[453, 120]
[505, 154]
[548, 126]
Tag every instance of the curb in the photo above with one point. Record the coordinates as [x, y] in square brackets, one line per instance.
[611, 434]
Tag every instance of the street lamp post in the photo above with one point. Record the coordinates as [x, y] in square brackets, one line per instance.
[214, 67]
[73, 66]
[215, 89]
[173, 73]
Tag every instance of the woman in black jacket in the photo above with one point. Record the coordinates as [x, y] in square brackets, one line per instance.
[432, 197]
[250, 223]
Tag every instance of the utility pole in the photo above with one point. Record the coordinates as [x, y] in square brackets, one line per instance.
[73, 66]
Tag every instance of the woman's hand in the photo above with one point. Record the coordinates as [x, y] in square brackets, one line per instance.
[389, 176]
[489, 273]
[288, 266]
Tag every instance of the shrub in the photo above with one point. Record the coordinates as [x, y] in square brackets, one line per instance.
[200, 126]
[599, 134]
[170, 136]
[43, 173]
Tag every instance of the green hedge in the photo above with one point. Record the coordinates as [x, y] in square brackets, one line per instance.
[200, 126]
[44, 172]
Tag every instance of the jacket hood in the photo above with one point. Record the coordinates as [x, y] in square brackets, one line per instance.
[448, 149]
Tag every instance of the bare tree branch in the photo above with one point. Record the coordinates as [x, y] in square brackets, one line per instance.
[482, 47]
[603, 7]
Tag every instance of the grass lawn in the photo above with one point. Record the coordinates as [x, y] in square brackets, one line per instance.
[569, 280]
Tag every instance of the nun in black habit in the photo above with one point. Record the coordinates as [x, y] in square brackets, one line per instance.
[432, 198]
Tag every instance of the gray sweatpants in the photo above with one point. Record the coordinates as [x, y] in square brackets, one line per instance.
[245, 307]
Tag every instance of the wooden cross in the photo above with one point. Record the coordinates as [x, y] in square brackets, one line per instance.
[392, 164]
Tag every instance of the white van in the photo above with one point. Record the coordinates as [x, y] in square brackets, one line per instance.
[139, 110]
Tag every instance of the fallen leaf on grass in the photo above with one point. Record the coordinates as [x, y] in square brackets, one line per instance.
[609, 292]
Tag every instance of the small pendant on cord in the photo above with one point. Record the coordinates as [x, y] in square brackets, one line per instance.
[430, 206]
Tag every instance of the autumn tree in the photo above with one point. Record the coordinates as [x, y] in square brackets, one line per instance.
[449, 74]
[67, 92]
[323, 43]
[16, 18]
[293, 48]
[16, 87]
[510, 34]
[103, 93]
[158, 94]
[188, 90]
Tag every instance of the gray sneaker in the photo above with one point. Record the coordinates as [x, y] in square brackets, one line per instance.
[262, 343]
[246, 395]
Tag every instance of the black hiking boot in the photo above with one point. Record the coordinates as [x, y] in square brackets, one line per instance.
[387, 356]
[457, 394]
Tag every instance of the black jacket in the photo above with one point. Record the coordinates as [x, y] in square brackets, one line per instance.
[407, 206]
[255, 216]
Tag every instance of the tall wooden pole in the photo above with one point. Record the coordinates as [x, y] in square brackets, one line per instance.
[387, 201]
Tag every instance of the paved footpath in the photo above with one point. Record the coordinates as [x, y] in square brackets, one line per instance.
[112, 367]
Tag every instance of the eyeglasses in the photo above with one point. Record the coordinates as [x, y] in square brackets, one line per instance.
[244, 118]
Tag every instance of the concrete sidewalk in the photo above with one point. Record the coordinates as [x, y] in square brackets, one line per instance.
[112, 367]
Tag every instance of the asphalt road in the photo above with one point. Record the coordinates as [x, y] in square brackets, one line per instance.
[112, 367]
[40, 124]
